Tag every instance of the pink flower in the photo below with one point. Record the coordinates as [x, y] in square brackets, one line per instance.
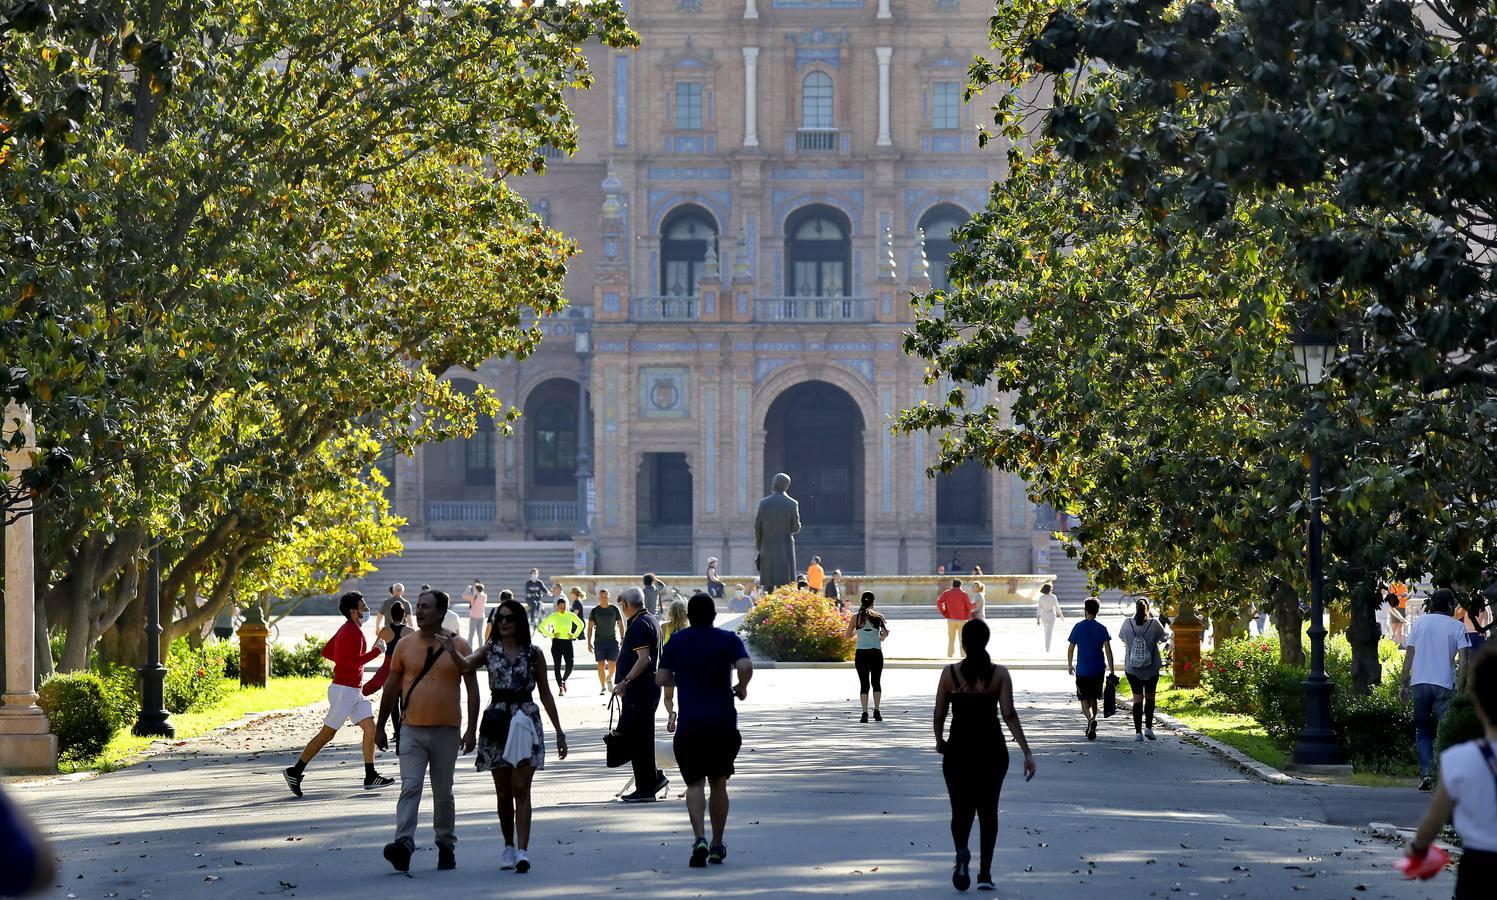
[1239, 664]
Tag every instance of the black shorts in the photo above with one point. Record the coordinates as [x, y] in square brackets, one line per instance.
[1142, 685]
[605, 652]
[1088, 687]
[706, 753]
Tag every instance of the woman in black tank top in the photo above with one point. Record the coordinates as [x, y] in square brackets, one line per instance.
[975, 756]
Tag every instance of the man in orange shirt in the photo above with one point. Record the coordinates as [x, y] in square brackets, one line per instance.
[956, 606]
[815, 575]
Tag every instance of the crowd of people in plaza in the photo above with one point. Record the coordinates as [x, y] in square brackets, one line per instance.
[652, 646]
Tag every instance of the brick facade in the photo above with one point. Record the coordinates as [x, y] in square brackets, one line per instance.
[694, 369]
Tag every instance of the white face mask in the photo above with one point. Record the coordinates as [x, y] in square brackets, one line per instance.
[363, 616]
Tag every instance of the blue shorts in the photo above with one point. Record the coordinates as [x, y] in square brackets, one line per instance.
[606, 652]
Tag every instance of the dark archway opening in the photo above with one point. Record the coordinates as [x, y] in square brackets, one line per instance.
[814, 433]
[964, 517]
[938, 224]
[458, 477]
[663, 513]
[550, 427]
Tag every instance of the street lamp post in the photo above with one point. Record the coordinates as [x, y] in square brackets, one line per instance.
[154, 720]
[1317, 745]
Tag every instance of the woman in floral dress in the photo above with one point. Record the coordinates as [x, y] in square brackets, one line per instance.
[511, 742]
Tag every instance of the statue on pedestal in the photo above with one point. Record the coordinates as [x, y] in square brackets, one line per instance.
[775, 527]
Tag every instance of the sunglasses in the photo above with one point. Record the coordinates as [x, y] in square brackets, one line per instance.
[507, 617]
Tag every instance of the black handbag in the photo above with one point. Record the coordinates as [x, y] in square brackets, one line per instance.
[617, 748]
[1110, 697]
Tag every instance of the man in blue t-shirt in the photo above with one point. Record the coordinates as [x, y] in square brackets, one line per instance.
[700, 662]
[1090, 639]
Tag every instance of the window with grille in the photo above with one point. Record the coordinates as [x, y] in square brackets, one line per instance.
[555, 444]
[948, 104]
[816, 101]
[688, 106]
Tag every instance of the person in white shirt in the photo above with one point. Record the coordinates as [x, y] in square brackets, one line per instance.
[1467, 793]
[1435, 643]
[1047, 611]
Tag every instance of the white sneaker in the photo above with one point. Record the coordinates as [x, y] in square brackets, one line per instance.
[507, 858]
[1149, 733]
[522, 862]
[1138, 737]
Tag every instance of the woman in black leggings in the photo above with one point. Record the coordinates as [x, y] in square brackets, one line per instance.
[975, 756]
[870, 629]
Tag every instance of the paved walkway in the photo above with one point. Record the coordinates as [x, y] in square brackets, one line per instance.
[822, 805]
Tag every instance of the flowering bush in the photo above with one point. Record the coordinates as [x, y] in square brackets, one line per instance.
[194, 678]
[798, 626]
[1233, 671]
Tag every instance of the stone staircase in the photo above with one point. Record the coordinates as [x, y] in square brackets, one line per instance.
[452, 565]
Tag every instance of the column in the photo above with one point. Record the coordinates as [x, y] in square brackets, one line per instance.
[751, 93]
[751, 9]
[884, 55]
[26, 744]
[883, 9]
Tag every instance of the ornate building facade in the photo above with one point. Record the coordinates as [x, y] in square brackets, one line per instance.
[759, 187]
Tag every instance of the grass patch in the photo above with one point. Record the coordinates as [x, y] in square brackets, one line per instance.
[124, 748]
[1237, 731]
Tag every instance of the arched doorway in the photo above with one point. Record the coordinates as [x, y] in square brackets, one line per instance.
[663, 513]
[938, 223]
[964, 517]
[814, 433]
[550, 429]
[818, 253]
[687, 236]
[458, 477]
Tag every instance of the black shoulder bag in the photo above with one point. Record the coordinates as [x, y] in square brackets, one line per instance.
[617, 749]
[431, 659]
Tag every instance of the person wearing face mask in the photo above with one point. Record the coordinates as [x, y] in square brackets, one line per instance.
[348, 653]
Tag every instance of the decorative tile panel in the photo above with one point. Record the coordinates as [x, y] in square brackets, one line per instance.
[763, 368]
[662, 392]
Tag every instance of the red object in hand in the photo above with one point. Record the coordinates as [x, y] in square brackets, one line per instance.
[1432, 863]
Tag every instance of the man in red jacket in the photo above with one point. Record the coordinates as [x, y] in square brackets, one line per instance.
[956, 606]
[346, 703]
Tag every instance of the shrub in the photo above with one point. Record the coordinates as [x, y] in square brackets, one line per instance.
[1281, 703]
[1377, 730]
[121, 695]
[1460, 723]
[1232, 671]
[300, 660]
[231, 659]
[78, 714]
[194, 678]
[798, 626]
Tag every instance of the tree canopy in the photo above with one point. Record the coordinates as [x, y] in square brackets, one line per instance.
[1191, 183]
[243, 243]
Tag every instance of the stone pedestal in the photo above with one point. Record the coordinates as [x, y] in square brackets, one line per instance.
[254, 654]
[1187, 629]
[26, 744]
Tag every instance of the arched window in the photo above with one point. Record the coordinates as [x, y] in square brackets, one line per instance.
[555, 429]
[938, 224]
[683, 251]
[816, 101]
[479, 451]
[819, 253]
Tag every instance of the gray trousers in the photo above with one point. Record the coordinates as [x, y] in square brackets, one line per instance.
[423, 748]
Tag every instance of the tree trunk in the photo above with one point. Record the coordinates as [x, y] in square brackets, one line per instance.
[124, 642]
[1366, 667]
[1287, 621]
[45, 665]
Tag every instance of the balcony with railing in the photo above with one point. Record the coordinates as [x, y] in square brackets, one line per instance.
[551, 514]
[665, 309]
[817, 140]
[460, 512]
[813, 309]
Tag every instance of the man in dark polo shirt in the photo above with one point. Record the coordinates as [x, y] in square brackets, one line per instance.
[634, 681]
[699, 661]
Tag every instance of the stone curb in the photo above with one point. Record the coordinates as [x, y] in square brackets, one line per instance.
[162, 745]
[1237, 758]
[1402, 836]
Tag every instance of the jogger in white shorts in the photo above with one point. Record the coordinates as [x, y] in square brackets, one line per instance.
[346, 703]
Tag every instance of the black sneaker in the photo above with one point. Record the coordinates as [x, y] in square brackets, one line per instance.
[717, 854]
[446, 856]
[699, 852]
[878, 716]
[293, 780]
[637, 797]
[378, 781]
[985, 882]
[1426, 784]
[663, 785]
[864, 720]
[1091, 729]
[399, 854]
[961, 879]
